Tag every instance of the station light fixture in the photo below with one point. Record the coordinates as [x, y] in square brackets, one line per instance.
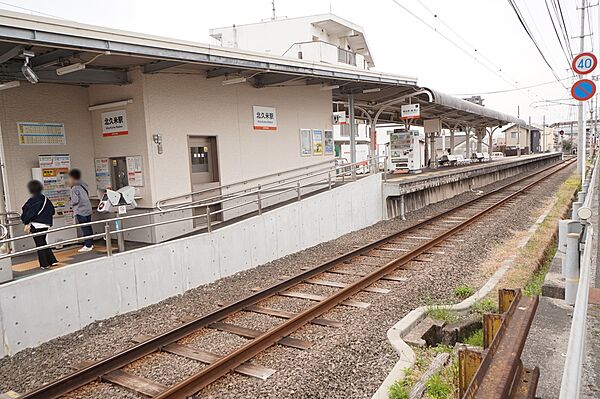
[113, 104]
[331, 87]
[374, 90]
[233, 81]
[78, 66]
[10, 85]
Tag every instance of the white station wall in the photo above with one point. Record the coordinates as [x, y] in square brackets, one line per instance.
[31, 312]
[43, 103]
[179, 106]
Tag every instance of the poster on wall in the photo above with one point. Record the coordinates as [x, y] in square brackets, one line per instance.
[135, 175]
[265, 118]
[329, 146]
[103, 178]
[305, 142]
[317, 141]
[41, 133]
[114, 123]
[54, 170]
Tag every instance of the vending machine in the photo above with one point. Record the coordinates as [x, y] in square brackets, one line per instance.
[404, 151]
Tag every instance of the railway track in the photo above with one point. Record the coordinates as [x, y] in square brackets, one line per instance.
[380, 259]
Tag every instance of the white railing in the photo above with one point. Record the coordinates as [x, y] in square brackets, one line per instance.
[328, 178]
[573, 371]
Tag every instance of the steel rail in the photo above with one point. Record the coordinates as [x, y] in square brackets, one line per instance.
[216, 370]
[498, 375]
[92, 372]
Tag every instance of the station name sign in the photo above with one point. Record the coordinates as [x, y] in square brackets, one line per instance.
[265, 118]
[114, 123]
[410, 111]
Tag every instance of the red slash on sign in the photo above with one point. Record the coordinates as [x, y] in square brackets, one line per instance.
[583, 90]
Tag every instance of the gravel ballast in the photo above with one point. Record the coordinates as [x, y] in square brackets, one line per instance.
[346, 362]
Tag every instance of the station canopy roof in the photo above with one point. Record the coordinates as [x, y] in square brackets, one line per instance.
[109, 54]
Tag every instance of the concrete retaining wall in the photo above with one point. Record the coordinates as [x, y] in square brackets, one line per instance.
[422, 191]
[39, 308]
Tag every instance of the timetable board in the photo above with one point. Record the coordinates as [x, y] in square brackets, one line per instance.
[41, 133]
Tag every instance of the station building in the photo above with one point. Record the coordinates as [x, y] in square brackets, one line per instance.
[184, 122]
[172, 117]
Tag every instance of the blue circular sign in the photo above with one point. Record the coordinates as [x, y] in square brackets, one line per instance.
[583, 90]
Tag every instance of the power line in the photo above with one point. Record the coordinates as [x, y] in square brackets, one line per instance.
[31, 10]
[528, 31]
[435, 15]
[509, 90]
[457, 45]
[560, 41]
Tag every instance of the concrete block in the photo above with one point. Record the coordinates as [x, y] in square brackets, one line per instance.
[105, 288]
[125, 279]
[257, 241]
[159, 273]
[269, 237]
[39, 308]
[310, 233]
[288, 230]
[200, 260]
[234, 249]
[343, 211]
[327, 218]
[359, 208]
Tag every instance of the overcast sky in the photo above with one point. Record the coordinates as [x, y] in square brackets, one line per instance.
[399, 42]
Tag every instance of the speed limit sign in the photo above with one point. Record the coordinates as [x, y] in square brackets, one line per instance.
[584, 63]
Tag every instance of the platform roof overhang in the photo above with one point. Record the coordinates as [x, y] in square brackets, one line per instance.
[109, 55]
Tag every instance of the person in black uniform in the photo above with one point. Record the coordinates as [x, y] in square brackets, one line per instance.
[37, 217]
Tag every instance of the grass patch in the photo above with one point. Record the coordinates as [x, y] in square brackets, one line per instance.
[475, 339]
[528, 272]
[463, 291]
[486, 305]
[534, 285]
[399, 390]
[442, 312]
[439, 387]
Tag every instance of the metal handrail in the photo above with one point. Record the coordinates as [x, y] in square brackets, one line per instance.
[107, 234]
[162, 202]
[570, 386]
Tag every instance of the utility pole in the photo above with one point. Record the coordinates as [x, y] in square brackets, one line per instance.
[544, 133]
[518, 131]
[528, 140]
[273, 4]
[580, 123]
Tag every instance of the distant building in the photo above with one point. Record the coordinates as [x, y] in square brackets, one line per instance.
[533, 138]
[323, 38]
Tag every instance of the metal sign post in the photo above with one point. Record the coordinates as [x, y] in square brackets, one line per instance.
[582, 90]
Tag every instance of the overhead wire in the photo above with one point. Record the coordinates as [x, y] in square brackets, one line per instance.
[455, 44]
[525, 26]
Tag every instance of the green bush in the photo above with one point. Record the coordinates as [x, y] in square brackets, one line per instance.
[441, 312]
[463, 291]
[475, 339]
[484, 306]
[438, 388]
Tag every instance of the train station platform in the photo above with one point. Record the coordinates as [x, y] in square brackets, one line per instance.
[408, 192]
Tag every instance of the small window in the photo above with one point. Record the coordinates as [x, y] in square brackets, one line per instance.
[513, 135]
